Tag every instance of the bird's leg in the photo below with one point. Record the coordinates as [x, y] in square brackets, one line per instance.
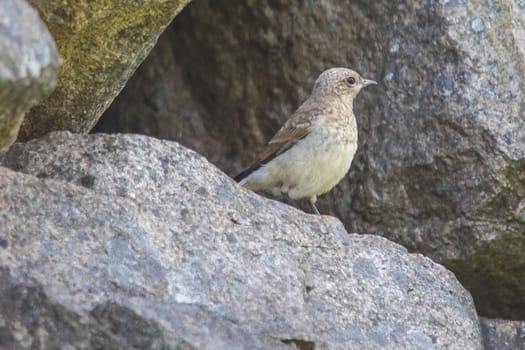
[284, 189]
[312, 201]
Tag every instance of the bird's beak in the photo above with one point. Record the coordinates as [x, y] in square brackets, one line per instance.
[367, 82]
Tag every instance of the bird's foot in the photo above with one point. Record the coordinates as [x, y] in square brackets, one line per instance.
[314, 208]
[312, 201]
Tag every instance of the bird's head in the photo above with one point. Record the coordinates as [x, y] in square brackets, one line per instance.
[342, 82]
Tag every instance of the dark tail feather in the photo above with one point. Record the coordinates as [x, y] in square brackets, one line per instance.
[248, 171]
[243, 174]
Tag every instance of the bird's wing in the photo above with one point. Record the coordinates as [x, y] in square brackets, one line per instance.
[279, 144]
[295, 129]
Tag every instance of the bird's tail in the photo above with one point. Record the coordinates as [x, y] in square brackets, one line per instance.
[243, 175]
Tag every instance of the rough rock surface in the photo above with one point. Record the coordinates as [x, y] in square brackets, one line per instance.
[441, 156]
[503, 334]
[130, 242]
[158, 102]
[29, 64]
[102, 43]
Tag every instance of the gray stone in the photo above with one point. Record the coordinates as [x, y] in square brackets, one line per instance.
[477, 24]
[442, 154]
[130, 242]
[29, 64]
[158, 101]
[503, 334]
[102, 43]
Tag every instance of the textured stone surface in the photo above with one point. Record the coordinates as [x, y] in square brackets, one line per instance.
[102, 43]
[441, 156]
[158, 102]
[131, 242]
[29, 63]
[503, 334]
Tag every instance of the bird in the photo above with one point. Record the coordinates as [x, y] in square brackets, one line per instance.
[313, 150]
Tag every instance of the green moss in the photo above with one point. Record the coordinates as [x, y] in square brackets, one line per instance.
[101, 43]
[9, 125]
[508, 204]
[495, 276]
[17, 97]
[516, 176]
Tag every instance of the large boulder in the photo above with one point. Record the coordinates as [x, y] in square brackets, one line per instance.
[101, 43]
[127, 242]
[441, 155]
[503, 334]
[29, 64]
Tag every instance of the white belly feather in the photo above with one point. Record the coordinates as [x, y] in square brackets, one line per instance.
[311, 167]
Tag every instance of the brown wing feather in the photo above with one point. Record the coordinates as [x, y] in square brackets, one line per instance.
[281, 142]
[296, 128]
[288, 135]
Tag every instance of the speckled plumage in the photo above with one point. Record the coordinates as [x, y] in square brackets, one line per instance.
[314, 149]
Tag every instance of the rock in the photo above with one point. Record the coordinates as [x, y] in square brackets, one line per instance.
[442, 154]
[130, 242]
[102, 44]
[160, 103]
[29, 64]
[503, 334]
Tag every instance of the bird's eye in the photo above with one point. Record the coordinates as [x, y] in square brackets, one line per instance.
[350, 81]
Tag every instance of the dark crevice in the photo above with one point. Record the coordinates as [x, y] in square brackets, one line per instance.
[300, 344]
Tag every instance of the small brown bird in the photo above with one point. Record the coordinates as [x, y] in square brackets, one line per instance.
[314, 149]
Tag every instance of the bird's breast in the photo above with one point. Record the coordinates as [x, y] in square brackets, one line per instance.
[321, 160]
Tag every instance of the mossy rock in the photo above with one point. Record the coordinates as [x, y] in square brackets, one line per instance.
[101, 43]
[495, 276]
